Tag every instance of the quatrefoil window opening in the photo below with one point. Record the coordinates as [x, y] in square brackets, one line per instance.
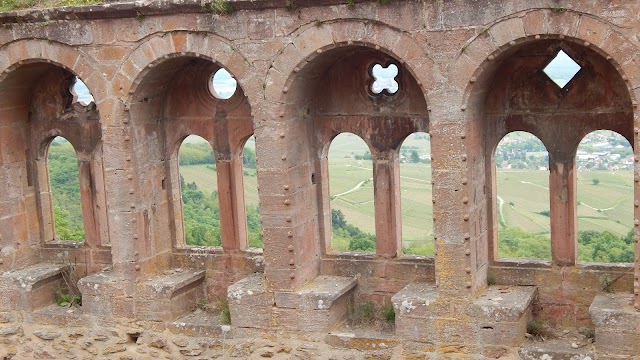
[562, 69]
[384, 79]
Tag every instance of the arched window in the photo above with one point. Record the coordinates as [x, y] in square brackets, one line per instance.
[199, 192]
[251, 200]
[351, 191]
[523, 211]
[415, 192]
[604, 163]
[64, 184]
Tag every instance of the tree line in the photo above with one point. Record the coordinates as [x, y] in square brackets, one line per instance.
[201, 210]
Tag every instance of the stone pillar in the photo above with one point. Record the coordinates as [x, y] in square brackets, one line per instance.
[87, 201]
[636, 213]
[322, 176]
[231, 200]
[288, 200]
[124, 198]
[562, 192]
[386, 180]
[460, 255]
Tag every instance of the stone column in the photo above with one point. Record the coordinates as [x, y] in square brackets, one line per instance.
[288, 200]
[636, 213]
[231, 200]
[87, 201]
[461, 254]
[386, 181]
[322, 180]
[562, 192]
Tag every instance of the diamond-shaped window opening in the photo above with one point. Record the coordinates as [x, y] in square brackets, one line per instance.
[384, 79]
[562, 69]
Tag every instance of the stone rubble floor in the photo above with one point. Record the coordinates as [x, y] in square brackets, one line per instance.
[27, 340]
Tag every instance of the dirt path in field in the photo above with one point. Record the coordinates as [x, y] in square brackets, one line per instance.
[590, 207]
[402, 177]
[358, 186]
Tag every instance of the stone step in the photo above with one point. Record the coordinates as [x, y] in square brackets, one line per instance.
[317, 306]
[170, 295]
[59, 316]
[200, 323]
[358, 339]
[250, 303]
[617, 324]
[412, 306]
[32, 287]
[502, 314]
[556, 350]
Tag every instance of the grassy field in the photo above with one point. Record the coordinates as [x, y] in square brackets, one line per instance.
[525, 194]
[606, 206]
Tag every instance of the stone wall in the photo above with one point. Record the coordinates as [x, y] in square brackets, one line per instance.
[469, 73]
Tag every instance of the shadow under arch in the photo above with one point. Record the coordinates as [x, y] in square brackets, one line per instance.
[512, 92]
[38, 105]
[327, 95]
[171, 100]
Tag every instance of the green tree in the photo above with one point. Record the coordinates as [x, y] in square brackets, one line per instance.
[415, 158]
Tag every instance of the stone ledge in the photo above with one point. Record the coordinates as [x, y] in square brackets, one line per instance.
[29, 277]
[414, 300]
[503, 303]
[320, 294]
[250, 304]
[171, 283]
[32, 287]
[617, 325]
[168, 296]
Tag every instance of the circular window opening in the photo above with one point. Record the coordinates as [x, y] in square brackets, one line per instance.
[223, 85]
[384, 79]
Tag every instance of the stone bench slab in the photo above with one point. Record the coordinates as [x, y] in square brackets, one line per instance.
[30, 276]
[170, 283]
[414, 299]
[319, 294]
[503, 303]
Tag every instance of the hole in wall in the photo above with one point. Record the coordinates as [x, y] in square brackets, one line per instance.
[384, 79]
[80, 89]
[223, 85]
[133, 337]
[313, 178]
[562, 69]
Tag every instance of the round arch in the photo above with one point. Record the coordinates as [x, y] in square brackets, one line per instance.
[474, 67]
[15, 54]
[312, 42]
[163, 46]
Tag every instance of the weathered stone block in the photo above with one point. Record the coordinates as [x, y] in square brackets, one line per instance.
[170, 295]
[617, 324]
[32, 287]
